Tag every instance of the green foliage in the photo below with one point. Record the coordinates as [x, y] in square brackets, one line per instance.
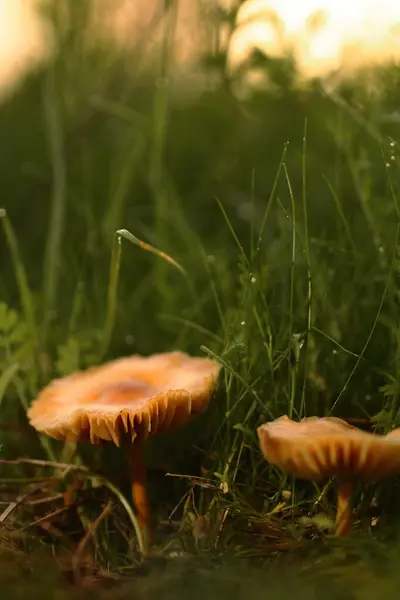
[15, 346]
[282, 212]
[69, 356]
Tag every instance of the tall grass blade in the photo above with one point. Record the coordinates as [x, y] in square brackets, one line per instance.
[114, 276]
[52, 261]
[6, 378]
[234, 235]
[112, 294]
[374, 324]
[271, 197]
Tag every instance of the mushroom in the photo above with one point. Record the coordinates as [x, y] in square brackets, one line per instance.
[125, 401]
[315, 448]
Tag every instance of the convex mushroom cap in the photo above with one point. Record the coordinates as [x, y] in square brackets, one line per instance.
[315, 448]
[135, 396]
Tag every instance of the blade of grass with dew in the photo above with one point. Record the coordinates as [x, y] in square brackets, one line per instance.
[194, 326]
[114, 276]
[236, 374]
[366, 200]
[394, 410]
[331, 339]
[389, 178]
[252, 219]
[266, 342]
[244, 257]
[374, 324]
[52, 259]
[271, 197]
[233, 232]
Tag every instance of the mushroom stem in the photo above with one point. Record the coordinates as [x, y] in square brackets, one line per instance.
[74, 485]
[344, 504]
[139, 490]
[71, 488]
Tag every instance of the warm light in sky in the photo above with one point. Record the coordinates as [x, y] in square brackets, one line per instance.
[325, 36]
[22, 40]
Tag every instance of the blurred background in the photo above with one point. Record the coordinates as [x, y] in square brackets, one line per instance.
[254, 142]
[323, 36]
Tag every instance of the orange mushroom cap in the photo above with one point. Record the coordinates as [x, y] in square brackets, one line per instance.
[323, 447]
[136, 395]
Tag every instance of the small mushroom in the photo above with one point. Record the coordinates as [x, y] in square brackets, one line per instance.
[126, 401]
[315, 448]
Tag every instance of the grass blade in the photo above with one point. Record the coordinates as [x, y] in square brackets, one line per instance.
[309, 278]
[271, 197]
[111, 294]
[114, 277]
[21, 277]
[374, 324]
[52, 261]
[124, 233]
[292, 368]
[6, 378]
[233, 232]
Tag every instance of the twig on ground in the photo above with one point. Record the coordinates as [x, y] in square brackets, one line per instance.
[44, 463]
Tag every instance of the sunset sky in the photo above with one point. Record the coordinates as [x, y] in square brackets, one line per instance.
[324, 34]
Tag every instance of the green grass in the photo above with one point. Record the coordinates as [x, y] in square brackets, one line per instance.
[282, 211]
